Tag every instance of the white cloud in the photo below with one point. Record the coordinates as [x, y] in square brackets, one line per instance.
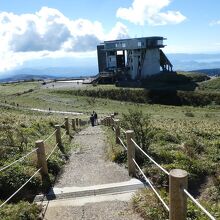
[149, 11]
[120, 31]
[214, 22]
[48, 33]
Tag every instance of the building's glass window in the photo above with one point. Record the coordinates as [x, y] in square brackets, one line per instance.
[159, 42]
[139, 43]
[123, 44]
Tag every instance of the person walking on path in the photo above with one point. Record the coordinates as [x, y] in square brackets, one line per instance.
[95, 118]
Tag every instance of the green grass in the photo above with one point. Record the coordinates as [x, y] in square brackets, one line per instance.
[210, 85]
[179, 131]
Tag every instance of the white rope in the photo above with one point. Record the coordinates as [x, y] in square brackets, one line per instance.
[63, 135]
[50, 136]
[52, 151]
[63, 124]
[113, 128]
[150, 158]
[122, 143]
[20, 159]
[20, 188]
[199, 205]
[159, 197]
[123, 130]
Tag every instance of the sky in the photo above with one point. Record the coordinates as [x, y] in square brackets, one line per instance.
[35, 33]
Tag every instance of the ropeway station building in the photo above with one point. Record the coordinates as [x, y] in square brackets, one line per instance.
[135, 57]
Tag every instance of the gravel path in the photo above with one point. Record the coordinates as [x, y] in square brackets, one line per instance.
[117, 210]
[88, 165]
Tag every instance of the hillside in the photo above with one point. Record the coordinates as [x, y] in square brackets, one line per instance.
[185, 137]
[210, 85]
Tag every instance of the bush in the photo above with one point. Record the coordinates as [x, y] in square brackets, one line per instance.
[13, 178]
[148, 206]
[20, 211]
[140, 124]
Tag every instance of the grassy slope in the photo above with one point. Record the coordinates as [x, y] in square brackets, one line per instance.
[203, 123]
[211, 85]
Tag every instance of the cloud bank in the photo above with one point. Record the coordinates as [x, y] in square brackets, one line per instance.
[150, 12]
[48, 33]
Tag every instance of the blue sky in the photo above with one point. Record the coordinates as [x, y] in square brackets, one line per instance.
[39, 31]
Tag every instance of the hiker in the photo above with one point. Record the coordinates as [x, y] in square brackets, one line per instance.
[95, 118]
[92, 120]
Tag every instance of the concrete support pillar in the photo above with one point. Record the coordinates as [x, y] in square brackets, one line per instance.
[130, 152]
[178, 181]
[41, 157]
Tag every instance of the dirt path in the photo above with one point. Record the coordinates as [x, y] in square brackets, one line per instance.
[88, 165]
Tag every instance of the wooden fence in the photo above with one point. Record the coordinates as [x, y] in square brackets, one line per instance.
[42, 158]
[178, 178]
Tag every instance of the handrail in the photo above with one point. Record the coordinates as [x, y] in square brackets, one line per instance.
[150, 158]
[20, 159]
[152, 187]
[198, 204]
[122, 143]
[20, 188]
[49, 136]
[52, 151]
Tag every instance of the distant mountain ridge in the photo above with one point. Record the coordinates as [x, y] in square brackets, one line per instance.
[209, 72]
[47, 73]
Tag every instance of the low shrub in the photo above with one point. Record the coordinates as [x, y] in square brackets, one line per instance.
[148, 206]
[20, 211]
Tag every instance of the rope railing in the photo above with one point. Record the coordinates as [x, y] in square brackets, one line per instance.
[20, 188]
[178, 178]
[62, 124]
[41, 157]
[150, 158]
[152, 187]
[52, 151]
[122, 143]
[19, 160]
[198, 204]
[49, 136]
[123, 130]
[63, 135]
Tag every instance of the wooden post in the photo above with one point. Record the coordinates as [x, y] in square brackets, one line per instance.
[74, 124]
[58, 136]
[130, 152]
[67, 127]
[117, 131]
[178, 180]
[108, 121]
[112, 119]
[80, 122]
[77, 123]
[41, 157]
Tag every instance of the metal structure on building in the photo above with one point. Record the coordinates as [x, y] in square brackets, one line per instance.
[135, 58]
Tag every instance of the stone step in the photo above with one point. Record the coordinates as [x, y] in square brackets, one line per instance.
[76, 192]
